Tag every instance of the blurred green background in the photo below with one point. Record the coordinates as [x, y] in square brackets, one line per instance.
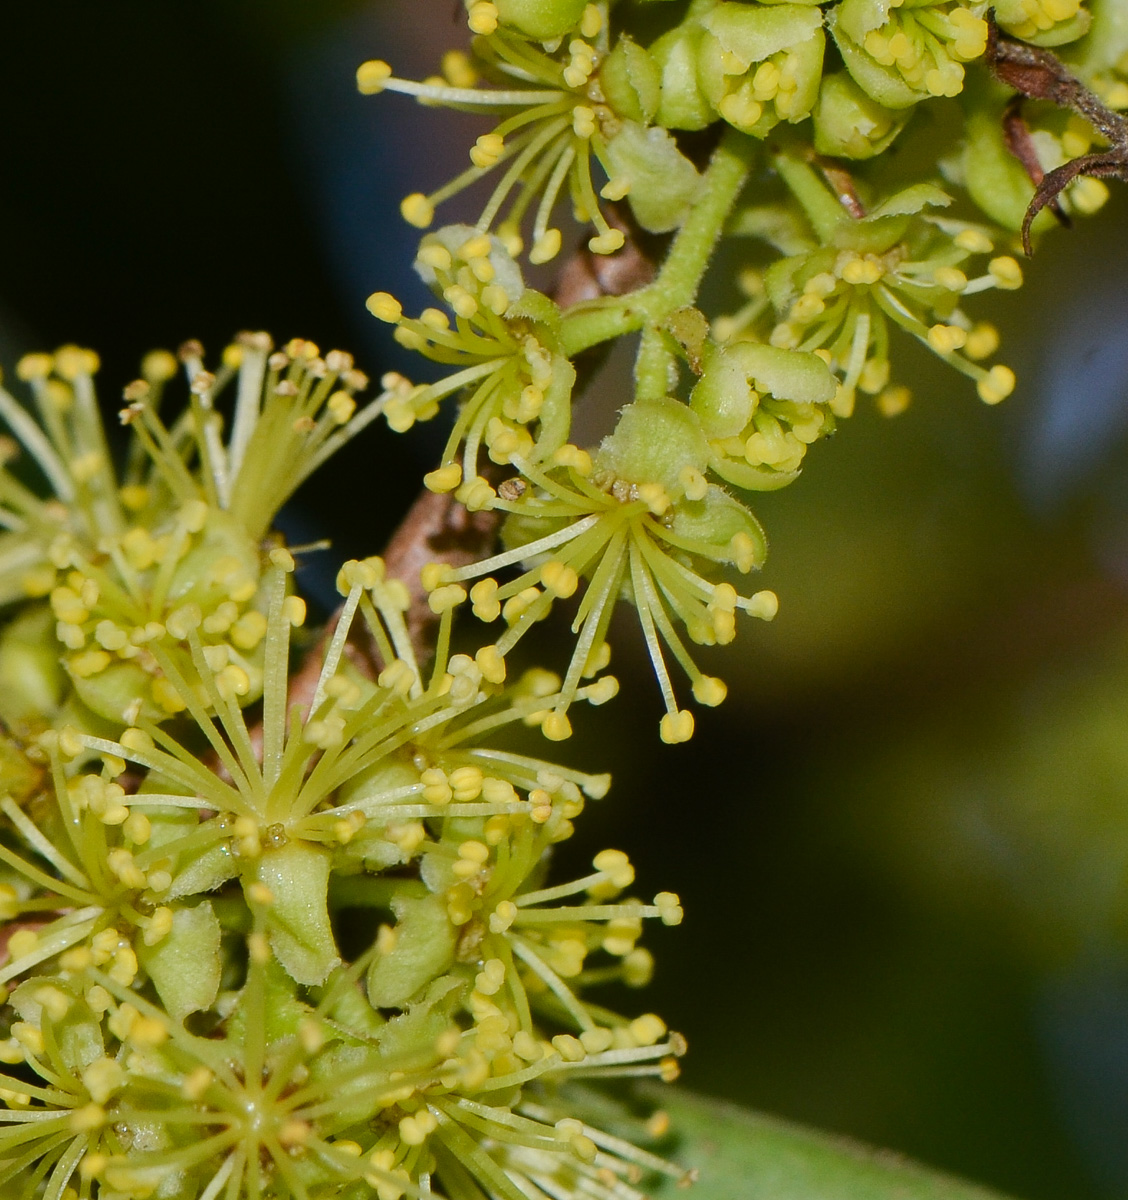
[902, 842]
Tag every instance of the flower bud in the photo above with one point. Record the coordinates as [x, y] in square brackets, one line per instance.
[850, 124]
[760, 64]
[654, 441]
[683, 104]
[631, 81]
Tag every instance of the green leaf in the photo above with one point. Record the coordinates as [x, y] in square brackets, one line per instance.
[743, 1155]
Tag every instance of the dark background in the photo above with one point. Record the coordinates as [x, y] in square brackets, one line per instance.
[902, 842]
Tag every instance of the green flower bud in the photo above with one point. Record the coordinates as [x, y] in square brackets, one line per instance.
[631, 81]
[654, 442]
[760, 65]
[884, 84]
[664, 183]
[424, 941]
[683, 104]
[541, 19]
[850, 124]
[1052, 23]
[716, 520]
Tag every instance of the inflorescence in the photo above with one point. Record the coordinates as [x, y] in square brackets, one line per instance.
[804, 99]
[277, 918]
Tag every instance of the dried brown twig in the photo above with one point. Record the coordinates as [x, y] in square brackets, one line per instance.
[1040, 75]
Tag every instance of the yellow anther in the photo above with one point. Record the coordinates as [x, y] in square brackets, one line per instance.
[482, 17]
[676, 727]
[446, 597]
[710, 691]
[372, 76]
[294, 610]
[655, 497]
[997, 386]
[487, 150]
[861, 271]
[740, 109]
[669, 908]
[1005, 272]
[159, 926]
[974, 241]
[417, 210]
[458, 70]
[556, 726]
[87, 1118]
[764, 605]
[952, 279]
[946, 339]
[559, 579]
[384, 307]
[894, 400]
[607, 243]
[503, 916]
[34, 366]
[546, 247]
[647, 1029]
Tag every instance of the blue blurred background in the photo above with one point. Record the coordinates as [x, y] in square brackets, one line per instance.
[903, 842]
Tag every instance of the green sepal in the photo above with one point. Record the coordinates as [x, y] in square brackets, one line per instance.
[555, 420]
[851, 124]
[797, 375]
[195, 580]
[715, 520]
[664, 183]
[722, 398]
[779, 225]
[654, 441]
[751, 478]
[537, 308]
[78, 1035]
[541, 19]
[413, 1034]
[424, 949]
[32, 681]
[194, 870]
[111, 691]
[631, 81]
[300, 934]
[683, 104]
[185, 965]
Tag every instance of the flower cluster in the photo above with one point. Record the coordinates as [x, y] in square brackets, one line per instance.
[122, 566]
[313, 951]
[723, 405]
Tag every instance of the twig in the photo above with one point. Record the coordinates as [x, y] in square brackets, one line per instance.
[1041, 75]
